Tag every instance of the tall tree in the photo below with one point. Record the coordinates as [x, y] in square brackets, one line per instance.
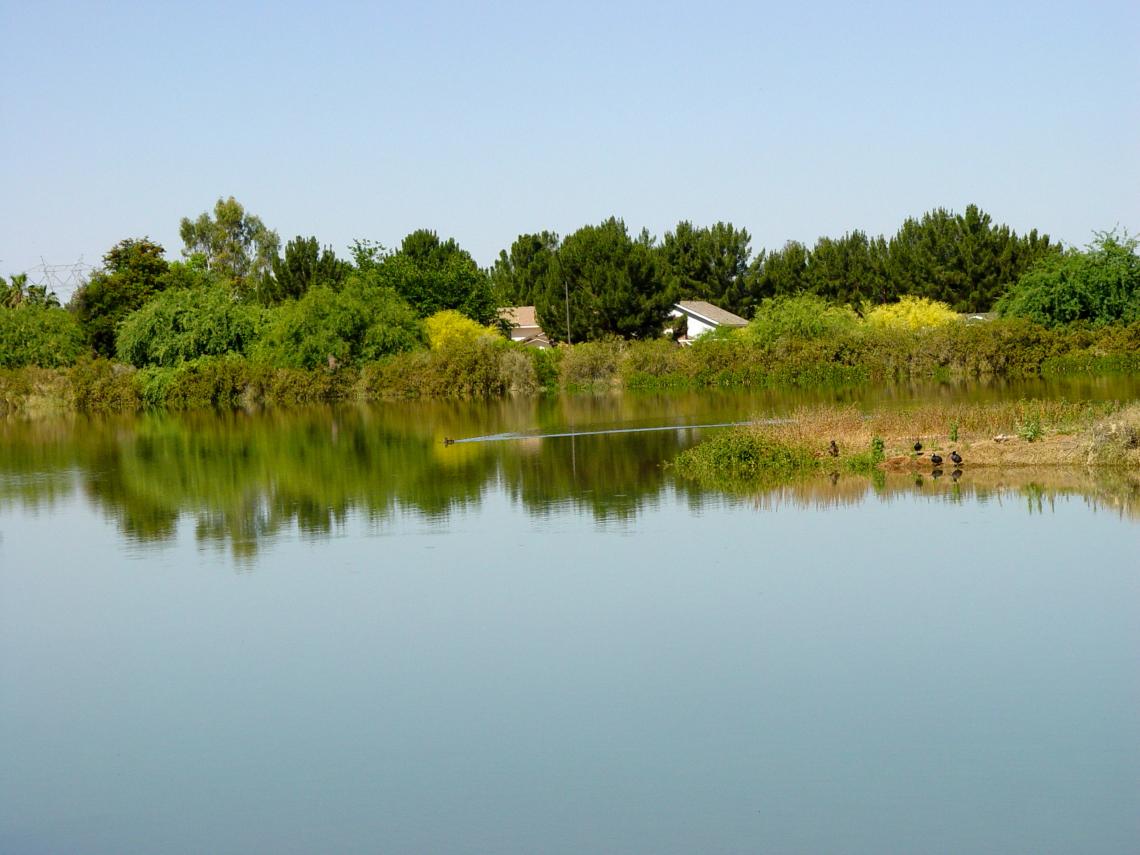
[233, 243]
[607, 283]
[434, 275]
[848, 270]
[304, 266]
[708, 264]
[779, 273]
[963, 260]
[517, 275]
[133, 271]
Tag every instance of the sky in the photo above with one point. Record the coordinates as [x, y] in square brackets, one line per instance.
[485, 121]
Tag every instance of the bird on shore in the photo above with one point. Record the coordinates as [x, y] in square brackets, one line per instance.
[936, 459]
[833, 449]
[956, 457]
[917, 447]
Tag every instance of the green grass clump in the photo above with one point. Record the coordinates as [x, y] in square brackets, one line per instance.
[745, 456]
[867, 462]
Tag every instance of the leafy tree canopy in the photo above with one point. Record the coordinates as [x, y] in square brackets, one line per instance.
[517, 275]
[304, 266]
[18, 293]
[911, 313]
[35, 333]
[707, 263]
[609, 283]
[804, 316]
[433, 275]
[361, 322]
[133, 271]
[1100, 285]
[233, 243]
[181, 324]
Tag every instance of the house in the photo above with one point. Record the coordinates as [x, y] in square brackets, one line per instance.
[700, 317]
[524, 326]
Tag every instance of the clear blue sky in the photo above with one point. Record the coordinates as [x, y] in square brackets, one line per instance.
[369, 120]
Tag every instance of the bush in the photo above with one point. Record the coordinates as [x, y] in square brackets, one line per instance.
[449, 327]
[361, 322]
[184, 324]
[744, 456]
[102, 386]
[1100, 285]
[805, 317]
[911, 313]
[464, 370]
[591, 363]
[39, 335]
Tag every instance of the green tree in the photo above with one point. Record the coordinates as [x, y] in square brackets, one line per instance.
[233, 243]
[304, 266]
[781, 272]
[19, 293]
[361, 322]
[181, 324]
[707, 263]
[433, 275]
[133, 271]
[1100, 285]
[963, 260]
[849, 270]
[517, 275]
[609, 283]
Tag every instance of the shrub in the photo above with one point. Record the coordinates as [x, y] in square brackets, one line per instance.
[742, 456]
[805, 316]
[184, 324]
[102, 386]
[1100, 285]
[449, 327]
[39, 335]
[591, 363]
[360, 323]
[911, 313]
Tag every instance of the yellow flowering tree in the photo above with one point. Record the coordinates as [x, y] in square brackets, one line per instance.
[911, 313]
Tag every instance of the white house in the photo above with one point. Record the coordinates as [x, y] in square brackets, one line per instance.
[700, 317]
[524, 326]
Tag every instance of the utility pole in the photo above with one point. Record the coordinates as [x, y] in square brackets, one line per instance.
[566, 289]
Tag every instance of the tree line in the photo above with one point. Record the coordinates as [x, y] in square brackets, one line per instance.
[236, 289]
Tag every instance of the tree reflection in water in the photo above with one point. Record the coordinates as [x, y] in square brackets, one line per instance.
[243, 479]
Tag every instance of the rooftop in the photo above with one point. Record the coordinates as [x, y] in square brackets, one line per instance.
[709, 312]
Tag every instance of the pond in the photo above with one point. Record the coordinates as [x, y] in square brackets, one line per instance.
[329, 631]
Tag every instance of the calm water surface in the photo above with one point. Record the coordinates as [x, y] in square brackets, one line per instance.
[328, 632]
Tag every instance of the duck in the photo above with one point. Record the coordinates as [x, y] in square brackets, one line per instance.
[833, 449]
[936, 459]
[447, 440]
[917, 447]
[956, 457]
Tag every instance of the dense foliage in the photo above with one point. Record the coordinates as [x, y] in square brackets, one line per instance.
[363, 321]
[608, 285]
[433, 275]
[241, 319]
[1101, 285]
[186, 323]
[38, 334]
[133, 271]
[233, 243]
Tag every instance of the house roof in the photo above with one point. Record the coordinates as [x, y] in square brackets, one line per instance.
[714, 314]
[519, 316]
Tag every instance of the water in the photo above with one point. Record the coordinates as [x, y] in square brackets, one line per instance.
[327, 631]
